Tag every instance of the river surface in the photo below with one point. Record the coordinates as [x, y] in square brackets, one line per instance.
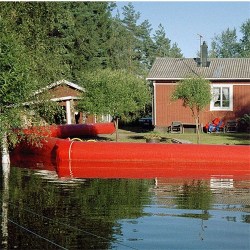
[41, 211]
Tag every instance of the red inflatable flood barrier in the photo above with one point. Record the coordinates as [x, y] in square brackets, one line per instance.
[142, 160]
[130, 160]
[49, 135]
[72, 130]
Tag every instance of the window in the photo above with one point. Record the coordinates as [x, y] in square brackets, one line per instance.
[222, 97]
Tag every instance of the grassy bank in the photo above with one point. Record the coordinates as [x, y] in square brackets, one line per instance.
[137, 135]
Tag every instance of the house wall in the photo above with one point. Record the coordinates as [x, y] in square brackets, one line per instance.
[166, 110]
[64, 90]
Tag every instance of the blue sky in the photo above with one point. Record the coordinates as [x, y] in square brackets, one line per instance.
[182, 21]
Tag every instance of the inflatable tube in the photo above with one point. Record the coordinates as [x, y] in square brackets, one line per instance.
[76, 159]
[131, 160]
[72, 130]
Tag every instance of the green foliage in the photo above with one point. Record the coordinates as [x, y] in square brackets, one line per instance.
[63, 39]
[19, 78]
[113, 92]
[163, 45]
[15, 82]
[244, 122]
[227, 45]
[48, 111]
[245, 40]
[194, 92]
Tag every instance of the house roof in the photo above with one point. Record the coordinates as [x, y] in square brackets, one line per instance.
[218, 69]
[61, 82]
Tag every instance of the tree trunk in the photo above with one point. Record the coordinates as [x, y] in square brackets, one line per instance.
[5, 206]
[197, 121]
[5, 151]
[116, 129]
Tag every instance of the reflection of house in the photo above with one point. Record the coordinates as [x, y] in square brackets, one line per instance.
[229, 193]
[230, 84]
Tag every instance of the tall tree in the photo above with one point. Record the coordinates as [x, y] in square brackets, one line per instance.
[130, 21]
[147, 45]
[175, 51]
[225, 45]
[245, 40]
[163, 46]
[15, 86]
[19, 76]
[162, 43]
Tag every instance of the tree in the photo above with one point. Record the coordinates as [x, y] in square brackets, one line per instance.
[162, 43]
[245, 41]
[113, 92]
[195, 94]
[225, 45]
[175, 51]
[163, 46]
[17, 86]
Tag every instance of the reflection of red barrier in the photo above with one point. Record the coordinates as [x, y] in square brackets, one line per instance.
[146, 170]
[142, 160]
[38, 162]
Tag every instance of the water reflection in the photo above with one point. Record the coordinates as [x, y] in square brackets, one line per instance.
[40, 210]
[5, 205]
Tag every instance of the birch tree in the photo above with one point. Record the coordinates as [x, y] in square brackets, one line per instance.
[195, 94]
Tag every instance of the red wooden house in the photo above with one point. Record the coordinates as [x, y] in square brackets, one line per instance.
[230, 86]
[67, 95]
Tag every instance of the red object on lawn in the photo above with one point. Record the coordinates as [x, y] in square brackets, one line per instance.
[74, 159]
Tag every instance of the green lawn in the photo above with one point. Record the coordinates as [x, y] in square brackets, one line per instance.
[137, 135]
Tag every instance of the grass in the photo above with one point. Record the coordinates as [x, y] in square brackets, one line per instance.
[140, 135]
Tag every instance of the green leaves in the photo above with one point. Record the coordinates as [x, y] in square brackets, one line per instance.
[227, 44]
[194, 92]
[113, 92]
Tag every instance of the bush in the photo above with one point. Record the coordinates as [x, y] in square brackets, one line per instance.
[244, 123]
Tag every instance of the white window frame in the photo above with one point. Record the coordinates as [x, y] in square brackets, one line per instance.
[220, 108]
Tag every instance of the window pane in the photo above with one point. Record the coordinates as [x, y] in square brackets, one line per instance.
[216, 97]
[225, 97]
[222, 97]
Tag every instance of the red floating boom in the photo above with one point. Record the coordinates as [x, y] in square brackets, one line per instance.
[142, 160]
[72, 130]
[132, 160]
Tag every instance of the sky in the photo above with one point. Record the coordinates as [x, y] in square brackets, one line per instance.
[185, 21]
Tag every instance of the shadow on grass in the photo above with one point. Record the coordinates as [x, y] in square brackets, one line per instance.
[141, 137]
[137, 129]
[244, 138]
[137, 137]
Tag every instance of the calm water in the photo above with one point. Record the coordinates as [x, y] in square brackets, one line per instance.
[40, 211]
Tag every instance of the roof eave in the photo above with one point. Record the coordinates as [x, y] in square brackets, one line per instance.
[214, 79]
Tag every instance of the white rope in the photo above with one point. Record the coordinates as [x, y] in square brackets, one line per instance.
[70, 168]
[28, 230]
[63, 224]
